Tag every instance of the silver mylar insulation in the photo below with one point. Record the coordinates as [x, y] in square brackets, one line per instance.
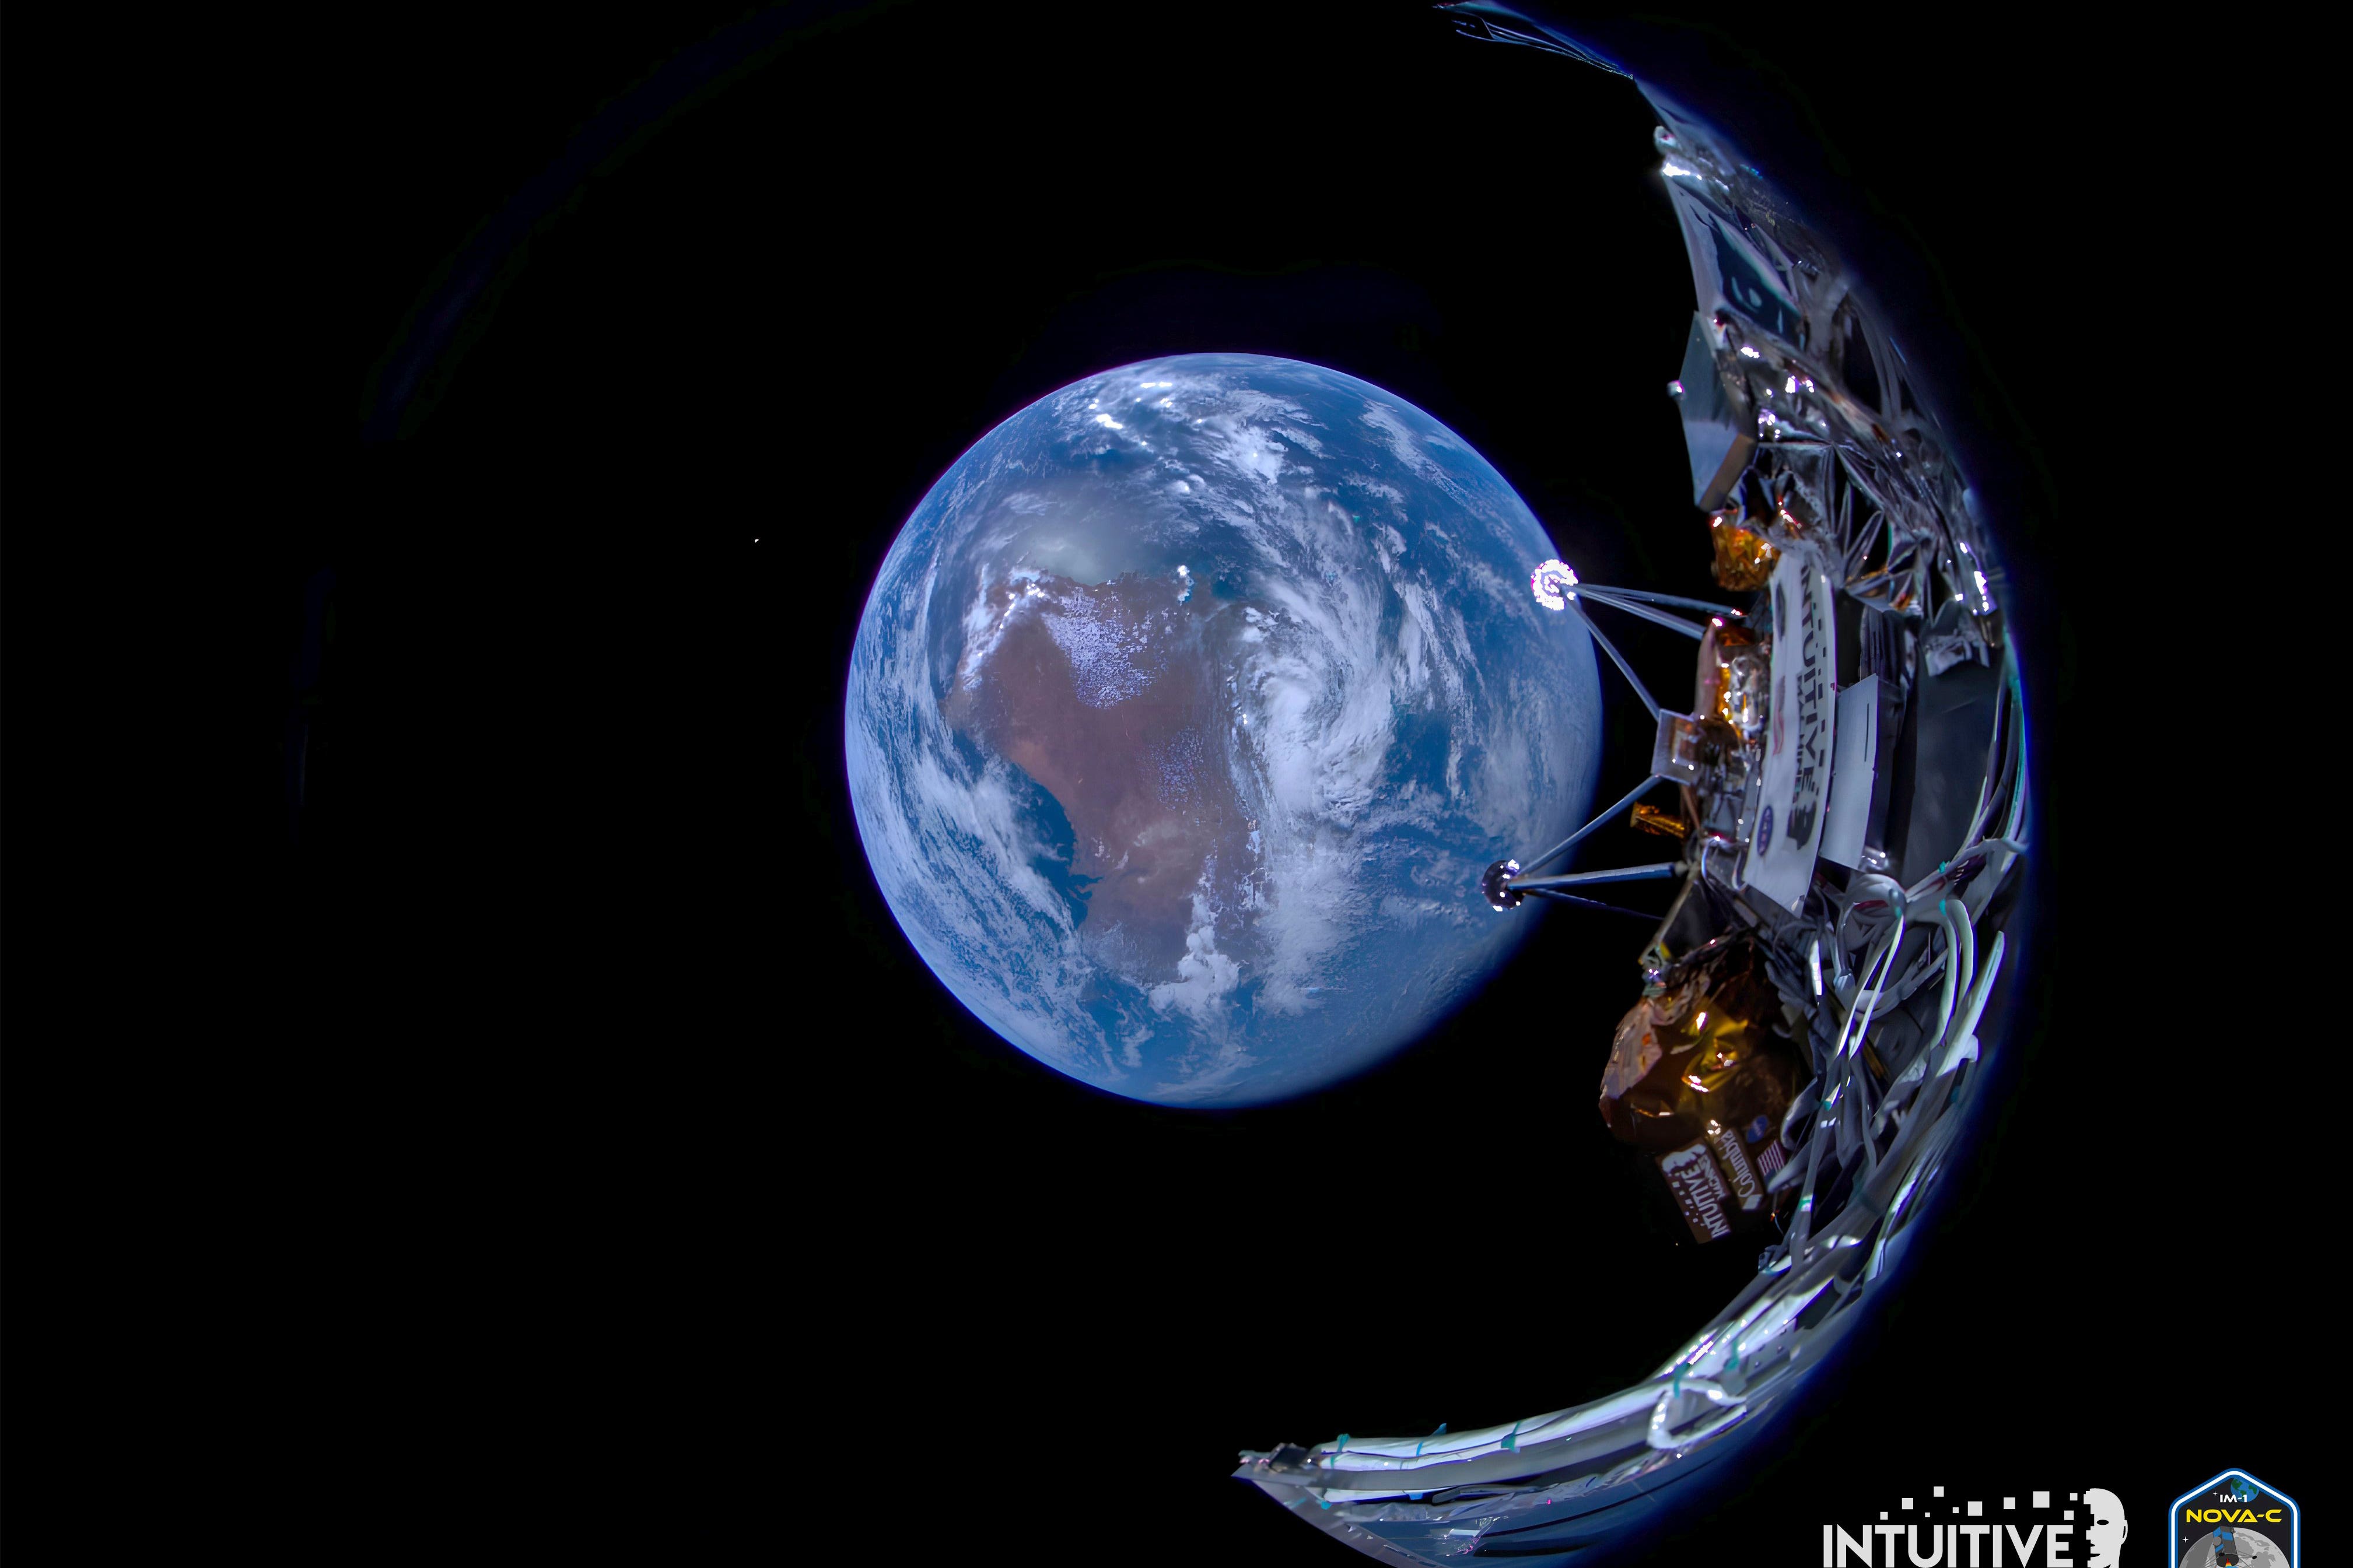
[1804, 429]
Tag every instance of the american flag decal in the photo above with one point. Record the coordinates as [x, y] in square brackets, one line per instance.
[1769, 1158]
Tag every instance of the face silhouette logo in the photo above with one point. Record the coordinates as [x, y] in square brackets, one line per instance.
[2104, 1538]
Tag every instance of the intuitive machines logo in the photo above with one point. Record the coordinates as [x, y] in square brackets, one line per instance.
[1950, 1533]
[2236, 1521]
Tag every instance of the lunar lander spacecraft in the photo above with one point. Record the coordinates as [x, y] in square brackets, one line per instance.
[1845, 805]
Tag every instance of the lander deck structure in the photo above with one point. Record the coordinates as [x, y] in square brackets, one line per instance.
[1854, 801]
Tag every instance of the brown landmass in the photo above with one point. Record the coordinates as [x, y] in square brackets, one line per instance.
[1128, 738]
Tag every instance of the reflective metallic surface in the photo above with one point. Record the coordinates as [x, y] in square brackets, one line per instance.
[1854, 812]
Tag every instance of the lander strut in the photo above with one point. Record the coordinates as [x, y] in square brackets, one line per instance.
[1850, 804]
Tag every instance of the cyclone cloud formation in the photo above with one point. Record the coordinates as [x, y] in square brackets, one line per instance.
[1184, 712]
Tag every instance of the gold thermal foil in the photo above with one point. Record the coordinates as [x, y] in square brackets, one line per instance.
[1699, 1077]
[1744, 560]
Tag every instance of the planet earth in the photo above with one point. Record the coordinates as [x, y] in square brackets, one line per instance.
[1186, 710]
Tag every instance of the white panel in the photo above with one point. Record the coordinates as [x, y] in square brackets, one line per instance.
[1852, 771]
[1800, 730]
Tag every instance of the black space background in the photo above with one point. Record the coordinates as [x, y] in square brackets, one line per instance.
[564, 1143]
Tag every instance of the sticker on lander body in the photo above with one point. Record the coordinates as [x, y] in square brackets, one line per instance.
[1700, 1190]
[1800, 732]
